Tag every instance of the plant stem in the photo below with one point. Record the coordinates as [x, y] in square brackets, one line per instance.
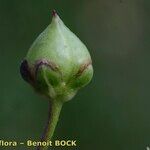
[53, 116]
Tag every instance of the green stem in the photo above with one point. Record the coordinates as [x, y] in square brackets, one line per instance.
[53, 116]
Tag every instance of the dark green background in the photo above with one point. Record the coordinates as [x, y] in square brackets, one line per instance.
[113, 112]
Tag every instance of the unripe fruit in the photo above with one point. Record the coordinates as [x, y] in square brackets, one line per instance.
[57, 64]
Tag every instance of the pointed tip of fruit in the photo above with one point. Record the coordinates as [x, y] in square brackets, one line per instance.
[54, 13]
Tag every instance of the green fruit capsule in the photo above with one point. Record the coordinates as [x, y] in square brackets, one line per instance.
[57, 64]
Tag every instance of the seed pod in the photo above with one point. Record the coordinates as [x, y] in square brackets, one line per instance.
[57, 64]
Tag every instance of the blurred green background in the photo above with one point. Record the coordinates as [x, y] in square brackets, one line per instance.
[113, 112]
